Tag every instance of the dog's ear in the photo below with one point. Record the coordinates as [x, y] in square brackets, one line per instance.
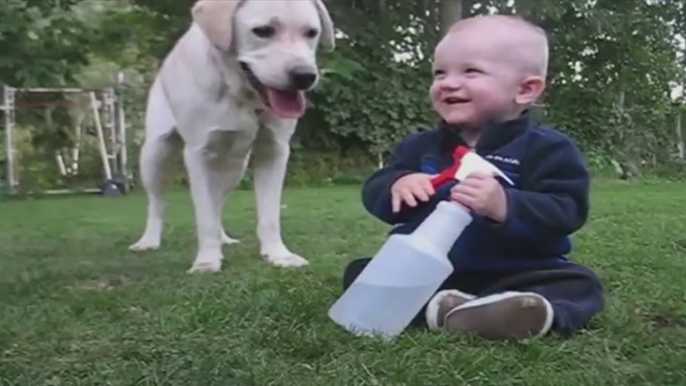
[215, 19]
[328, 38]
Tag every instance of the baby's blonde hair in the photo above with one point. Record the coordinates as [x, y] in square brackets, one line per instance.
[531, 45]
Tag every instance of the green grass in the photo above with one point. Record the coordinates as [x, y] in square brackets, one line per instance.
[77, 308]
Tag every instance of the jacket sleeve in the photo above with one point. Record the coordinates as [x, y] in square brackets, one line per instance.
[553, 200]
[376, 192]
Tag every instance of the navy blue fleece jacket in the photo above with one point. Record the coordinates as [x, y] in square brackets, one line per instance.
[549, 202]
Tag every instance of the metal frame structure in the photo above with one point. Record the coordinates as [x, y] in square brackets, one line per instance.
[109, 119]
[8, 109]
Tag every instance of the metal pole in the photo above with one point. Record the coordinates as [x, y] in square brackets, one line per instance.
[111, 125]
[679, 134]
[101, 137]
[70, 90]
[8, 106]
[121, 123]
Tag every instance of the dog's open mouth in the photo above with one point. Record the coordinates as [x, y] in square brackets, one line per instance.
[285, 103]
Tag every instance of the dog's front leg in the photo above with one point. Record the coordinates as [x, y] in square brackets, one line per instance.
[199, 167]
[270, 158]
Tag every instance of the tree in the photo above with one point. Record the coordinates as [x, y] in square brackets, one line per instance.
[43, 42]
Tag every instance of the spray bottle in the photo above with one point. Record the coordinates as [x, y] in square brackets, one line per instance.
[408, 269]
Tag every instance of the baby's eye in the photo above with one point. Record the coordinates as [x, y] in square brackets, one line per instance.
[438, 73]
[472, 70]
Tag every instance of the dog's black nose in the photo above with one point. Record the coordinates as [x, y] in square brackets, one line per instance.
[302, 78]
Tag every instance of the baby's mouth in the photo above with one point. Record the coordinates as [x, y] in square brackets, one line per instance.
[455, 100]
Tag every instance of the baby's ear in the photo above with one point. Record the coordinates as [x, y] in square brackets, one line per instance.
[530, 89]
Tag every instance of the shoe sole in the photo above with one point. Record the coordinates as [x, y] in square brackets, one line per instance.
[507, 316]
[431, 313]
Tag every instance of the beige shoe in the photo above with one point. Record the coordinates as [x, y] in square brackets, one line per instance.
[506, 316]
[442, 303]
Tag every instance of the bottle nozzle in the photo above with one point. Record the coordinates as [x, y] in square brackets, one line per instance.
[472, 162]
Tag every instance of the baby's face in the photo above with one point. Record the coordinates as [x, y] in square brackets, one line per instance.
[473, 83]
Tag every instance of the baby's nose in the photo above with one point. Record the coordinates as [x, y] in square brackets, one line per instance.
[451, 83]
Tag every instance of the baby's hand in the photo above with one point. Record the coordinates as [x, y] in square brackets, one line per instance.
[483, 194]
[407, 188]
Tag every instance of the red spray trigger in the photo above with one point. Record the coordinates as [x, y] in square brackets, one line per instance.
[460, 152]
[449, 173]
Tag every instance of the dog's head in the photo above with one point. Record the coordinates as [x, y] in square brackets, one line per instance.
[275, 43]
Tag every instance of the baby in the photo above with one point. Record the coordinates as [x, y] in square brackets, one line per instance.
[512, 277]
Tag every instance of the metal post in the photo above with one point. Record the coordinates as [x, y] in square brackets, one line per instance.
[8, 106]
[110, 125]
[121, 126]
[679, 134]
[101, 137]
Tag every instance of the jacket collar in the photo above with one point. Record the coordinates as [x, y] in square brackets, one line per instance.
[493, 136]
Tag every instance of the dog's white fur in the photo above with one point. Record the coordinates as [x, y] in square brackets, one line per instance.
[202, 102]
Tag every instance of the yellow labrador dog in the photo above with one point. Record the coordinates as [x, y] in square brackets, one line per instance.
[232, 87]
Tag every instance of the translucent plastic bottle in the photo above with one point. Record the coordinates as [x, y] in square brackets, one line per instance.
[402, 276]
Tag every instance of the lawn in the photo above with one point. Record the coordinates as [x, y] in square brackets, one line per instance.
[77, 308]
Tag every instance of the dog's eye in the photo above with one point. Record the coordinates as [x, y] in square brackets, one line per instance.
[311, 33]
[264, 31]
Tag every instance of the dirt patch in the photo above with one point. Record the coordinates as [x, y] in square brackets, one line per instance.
[111, 280]
[105, 283]
[667, 320]
[661, 319]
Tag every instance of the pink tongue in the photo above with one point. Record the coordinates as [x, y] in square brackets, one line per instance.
[287, 104]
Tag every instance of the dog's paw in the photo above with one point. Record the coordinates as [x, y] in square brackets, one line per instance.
[207, 262]
[145, 244]
[206, 267]
[290, 260]
[226, 239]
